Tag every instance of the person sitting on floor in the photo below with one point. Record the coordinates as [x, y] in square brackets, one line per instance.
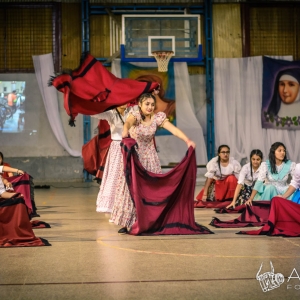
[273, 175]
[222, 174]
[6, 189]
[27, 185]
[247, 179]
[294, 187]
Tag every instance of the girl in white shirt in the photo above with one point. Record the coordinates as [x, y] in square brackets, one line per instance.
[114, 163]
[222, 174]
[247, 179]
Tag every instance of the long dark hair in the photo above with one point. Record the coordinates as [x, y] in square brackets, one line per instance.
[275, 103]
[219, 160]
[1, 155]
[272, 158]
[255, 152]
[142, 99]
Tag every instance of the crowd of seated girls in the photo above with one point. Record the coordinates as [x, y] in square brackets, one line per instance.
[257, 180]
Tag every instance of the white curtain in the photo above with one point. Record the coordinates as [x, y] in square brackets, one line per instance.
[171, 149]
[43, 65]
[238, 101]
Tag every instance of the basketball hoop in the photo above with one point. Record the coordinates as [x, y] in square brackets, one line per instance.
[162, 57]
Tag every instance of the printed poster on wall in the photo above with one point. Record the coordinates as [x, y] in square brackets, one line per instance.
[281, 94]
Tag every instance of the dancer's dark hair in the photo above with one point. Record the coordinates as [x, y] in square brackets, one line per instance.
[1, 155]
[219, 160]
[272, 158]
[255, 152]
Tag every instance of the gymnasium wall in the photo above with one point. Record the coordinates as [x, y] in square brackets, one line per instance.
[239, 29]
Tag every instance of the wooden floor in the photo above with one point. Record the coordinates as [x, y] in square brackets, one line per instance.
[89, 260]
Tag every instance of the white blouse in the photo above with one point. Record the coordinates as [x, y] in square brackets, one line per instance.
[114, 121]
[295, 182]
[213, 170]
[245, 175]
[268, 178]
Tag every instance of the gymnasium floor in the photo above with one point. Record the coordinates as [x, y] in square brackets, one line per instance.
[89, 260]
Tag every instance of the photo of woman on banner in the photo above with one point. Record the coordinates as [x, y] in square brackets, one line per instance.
[281, 94]
[286, 97]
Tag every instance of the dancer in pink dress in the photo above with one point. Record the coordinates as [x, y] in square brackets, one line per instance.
[141, 125]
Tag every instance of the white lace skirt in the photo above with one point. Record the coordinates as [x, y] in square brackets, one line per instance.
[109, 184]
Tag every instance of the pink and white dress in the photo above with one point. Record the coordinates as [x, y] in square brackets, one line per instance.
[114, 161]
[123, 212]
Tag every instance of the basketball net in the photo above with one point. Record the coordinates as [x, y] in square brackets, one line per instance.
[162, 58]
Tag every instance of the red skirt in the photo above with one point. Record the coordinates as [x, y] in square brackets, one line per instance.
[224, 189]
[15, 227]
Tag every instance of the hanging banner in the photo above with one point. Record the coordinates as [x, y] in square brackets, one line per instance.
[165, 100]
[281, 94]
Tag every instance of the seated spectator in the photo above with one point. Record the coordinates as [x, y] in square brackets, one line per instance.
[23, 184]
[247, 179]
[273, 175]
[222, 174]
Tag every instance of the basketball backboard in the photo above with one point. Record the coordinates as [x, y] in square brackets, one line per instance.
[143, 34]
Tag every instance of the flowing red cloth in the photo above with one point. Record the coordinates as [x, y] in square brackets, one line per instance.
[95, 151]
[255, 215]
[163, 202]
[92, 89]
[283, 220]
[21, 184]
[15, 226]
[224, 189]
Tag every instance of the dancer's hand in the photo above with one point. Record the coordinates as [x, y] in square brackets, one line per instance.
[204, 198]
[232, 204]
[9, 186]
[20, 172]
[249, 202]
[190, 143]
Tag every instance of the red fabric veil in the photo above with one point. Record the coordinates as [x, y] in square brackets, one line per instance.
[163, 202]
[92, 89]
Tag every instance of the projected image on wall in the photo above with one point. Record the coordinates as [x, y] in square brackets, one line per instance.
[12, 106]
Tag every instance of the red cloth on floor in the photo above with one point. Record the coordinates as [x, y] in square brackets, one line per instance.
[15, 226]
[164, 202]
[36, 224]
[92, 89]
[283, 220]
[21, 184]
[95, 151]
[211, 204]
[255, 215]
[224, 189]
[238, 209]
